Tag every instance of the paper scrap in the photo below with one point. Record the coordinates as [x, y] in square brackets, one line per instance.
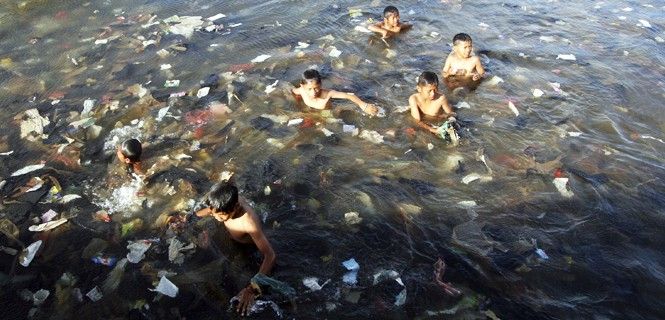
[27, 169]
[202, 92]
[261, 58]
[166, 288]
[29, 253]
[48, 225]
[512, 108]
[569, 57]
[561, 184]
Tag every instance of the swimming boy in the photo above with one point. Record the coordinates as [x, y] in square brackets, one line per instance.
[130, 154]
[460, 62]
[390, 24]
[244, 226]
[428, 102]
[318, 98]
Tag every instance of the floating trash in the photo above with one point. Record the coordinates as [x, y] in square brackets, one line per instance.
[568, 57]
[29, 253]
[261, 58]
[48, 225]
[351, 277]
[166, 287]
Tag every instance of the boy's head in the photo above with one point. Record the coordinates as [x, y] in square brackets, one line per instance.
[428, 84]
[222, 200]
[462, 44]
[130, 151]
[391, 16]
[311, 83]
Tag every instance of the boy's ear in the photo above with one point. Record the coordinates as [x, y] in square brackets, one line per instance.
[127, 160]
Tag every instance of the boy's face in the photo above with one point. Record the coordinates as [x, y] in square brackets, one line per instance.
[463, 48]
[220, 216]
[391, 19]
[311, 89]
[427, 91]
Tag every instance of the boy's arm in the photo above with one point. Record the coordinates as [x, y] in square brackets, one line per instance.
[366, 107]
[377, 27]
[480, 71]
[446, 106]
[415, 113]
[256, 232]
[446, 68]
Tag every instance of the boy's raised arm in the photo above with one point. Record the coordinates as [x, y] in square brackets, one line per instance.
[377, 28]
[366, 107]
[446, 68]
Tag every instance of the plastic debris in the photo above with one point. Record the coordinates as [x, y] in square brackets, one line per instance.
[351, 277]
[644, 136]
[166, 288]
[29, 253]
[94, 294]
[7, 153]
[137, 250]
[40, 296]
[401, 109]
[175, 250]
[48, 225]
[185, 25]
[272, 87]
[541, 253]
[474, 176]
[495, 80]
[547, 39]
[381, 112]
[313, 283]
[259, 306]
[463, 105]
[538, 93]
[202, 92]
[261, 58]
[352, 218]
[574, 133]
[349, 128]
[275, 143]
[644, 23]
[512, 108]
[48, 215]
[446, 131]
[69, 197]
[27, 169]
[334, 52]
[568, 57]
[390, 53]
[165, 67]
[32, 126]
[383, 275]
[467, 203]
[216, 17]
[294, 122]
[557, 88]
[561, 184]
[172, 83]
[371, 136]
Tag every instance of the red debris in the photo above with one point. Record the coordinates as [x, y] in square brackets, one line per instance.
[241, 67]
[307, 123]
[559, 173]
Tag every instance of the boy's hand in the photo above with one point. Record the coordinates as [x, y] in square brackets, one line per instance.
[385, 33]
[476, 77]
[371, 109]
[245, 300]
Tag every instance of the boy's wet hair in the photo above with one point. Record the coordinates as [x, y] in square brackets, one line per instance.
[132, 150]
[390, 9]
[427, 78]
[461, 37]
[310, 75]
[223, 197]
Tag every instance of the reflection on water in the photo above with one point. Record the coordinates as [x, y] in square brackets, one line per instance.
[549, 208]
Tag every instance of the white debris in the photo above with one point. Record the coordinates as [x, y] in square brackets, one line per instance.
[467, 204]
[351, 277]
[390, 53]
[474, 176]
[302, 45]
[352, 218]
[278, 119]
[561, 184]
[101, 41]
[538, 93]
[6, 153]
[557, 88]
[137, 250]
[271, 88]
[48, 215]
[644, 23]
[512, 108]
[171, 83]
[294, 122]
[334, 52]
[371, 136]
[362, 29]
[349, 128]
[276, 143]
[40, 296]
[659, 39]
[27, 169]
[48, 225]
[166, 288]
[69, 197]
[185, 25]
[162, 113]
[483, 25]
[29, 253]
[202, 92]
[327, 132]
[652, 138]
[574, 133]
[569, 57]
[541, 253]
[182, 156]
[216, 17]
[547, 39]
[32, 128]
[313, 283]
[261, 58]
[463, 105]
[401, 109]
[95, 294]
[430, 146]
[495, 80]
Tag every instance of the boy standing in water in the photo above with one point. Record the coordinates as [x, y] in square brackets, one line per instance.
[428, 103]
[130, 154]
[244, 226]
[460, 62]
[390, 24]
[314, 96]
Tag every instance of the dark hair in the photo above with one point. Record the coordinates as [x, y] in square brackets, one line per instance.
[310, 75]
[461, 37]
[428, 77]
[223, 197]
[390, 9]
[132, 150]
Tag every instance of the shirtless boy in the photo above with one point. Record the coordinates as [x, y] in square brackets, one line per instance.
[390, 24]
[244, 226]
[461, 62]
[318, 98]
[429, 103]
